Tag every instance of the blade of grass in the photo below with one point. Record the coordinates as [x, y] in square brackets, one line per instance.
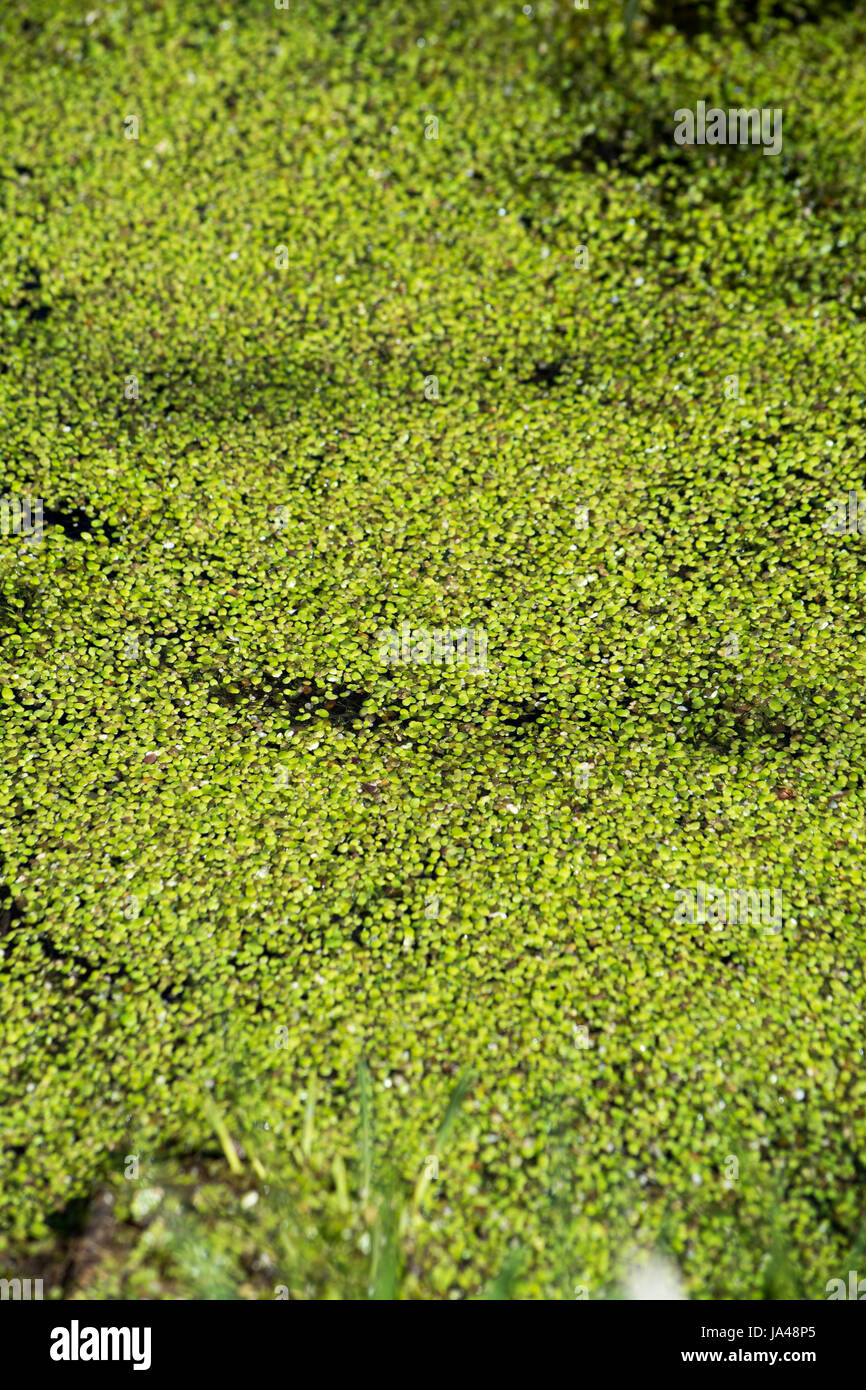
[309, 1131]
[222, 1133]
[366, 1129]
[629, 14]
[386, 1254]
[464, 1085]
[341, 1186]
[455, 1103]
[502, 1287]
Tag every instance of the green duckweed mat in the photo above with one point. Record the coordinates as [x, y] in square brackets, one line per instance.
[432, 821]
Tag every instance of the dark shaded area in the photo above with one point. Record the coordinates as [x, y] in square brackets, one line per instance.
[545, 374]
[70, 1220]
[639, 144]
[694, 17]
[747, 723]
[75, 523]
[528, 712]
[302, 699]
[82, 964]
[30, 297]
[299, 698]
[11, 910]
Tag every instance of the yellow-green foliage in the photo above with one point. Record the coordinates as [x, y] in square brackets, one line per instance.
[241, 855]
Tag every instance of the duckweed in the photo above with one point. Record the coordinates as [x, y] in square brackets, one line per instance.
[317, 323]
